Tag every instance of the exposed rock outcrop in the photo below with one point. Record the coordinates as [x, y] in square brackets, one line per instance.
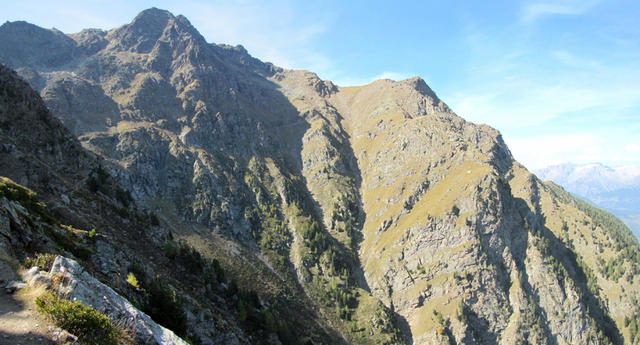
[74, 283]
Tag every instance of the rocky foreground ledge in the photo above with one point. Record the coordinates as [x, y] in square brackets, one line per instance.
[69, 279]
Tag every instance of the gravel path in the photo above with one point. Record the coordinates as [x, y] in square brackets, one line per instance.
[20, 322]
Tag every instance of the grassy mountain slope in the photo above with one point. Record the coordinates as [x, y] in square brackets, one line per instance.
[363, 215]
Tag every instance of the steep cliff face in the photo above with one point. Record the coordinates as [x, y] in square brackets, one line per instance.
[37, 150]
[378, 212]
[458, 238]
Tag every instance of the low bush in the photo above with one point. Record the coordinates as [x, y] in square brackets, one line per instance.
[132, 280]
[89, 325]
[165, 307]
[26, 197]
[43, 261]
[65, 237]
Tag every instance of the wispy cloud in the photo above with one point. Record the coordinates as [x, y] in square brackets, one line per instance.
[66, 15]
[550, 149]
[85, 19]
[345, 80]
[633, 148]
[510, 82]
[517, 103]
[271, 31]
[539, 151]
[533, 11]
[548, 103]
[571, 60]
[391, 75]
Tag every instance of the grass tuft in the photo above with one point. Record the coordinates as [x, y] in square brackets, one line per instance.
[89, 325]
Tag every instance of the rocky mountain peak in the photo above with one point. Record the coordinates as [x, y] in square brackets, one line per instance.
[153, 25]
[25, 44]
[421, 86]
[20, 25]
[153, 14]
[154, 21]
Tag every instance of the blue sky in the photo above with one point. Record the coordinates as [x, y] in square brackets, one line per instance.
[560, 79]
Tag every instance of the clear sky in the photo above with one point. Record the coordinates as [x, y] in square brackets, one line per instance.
[560, 79]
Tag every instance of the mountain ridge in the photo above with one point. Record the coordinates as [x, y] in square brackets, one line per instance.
[376, 206]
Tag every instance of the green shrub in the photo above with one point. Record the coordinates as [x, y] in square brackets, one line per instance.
[26, 197]
[123, 196]
[154, 219]
[165, 307]
[439, 317]
[634, 327]
[269, 321]
[242, 311]
[218, 271]
[132, 280]
[65, 237]
[170, 250]
[101, 181]
[187, 256]
[97, 181]
[43, 261]
[89, 325]
[232, 289]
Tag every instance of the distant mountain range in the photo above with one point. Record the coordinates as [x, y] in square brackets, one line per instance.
[616, 189]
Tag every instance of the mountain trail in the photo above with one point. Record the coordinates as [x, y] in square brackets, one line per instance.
[20, 322]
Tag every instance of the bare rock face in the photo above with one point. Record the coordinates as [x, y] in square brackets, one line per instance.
[30, 45]
[92, 110]
[90, 41]
[33, 141]
[380, 214]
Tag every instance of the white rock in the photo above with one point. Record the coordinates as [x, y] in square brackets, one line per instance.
[15, 285]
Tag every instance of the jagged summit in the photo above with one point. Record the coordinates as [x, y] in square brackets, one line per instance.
[151, 22]
[421, 86]
[153, 14]
[158, 18]
[153, 25]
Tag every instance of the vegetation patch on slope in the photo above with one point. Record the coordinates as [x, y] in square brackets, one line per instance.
[89, 325]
